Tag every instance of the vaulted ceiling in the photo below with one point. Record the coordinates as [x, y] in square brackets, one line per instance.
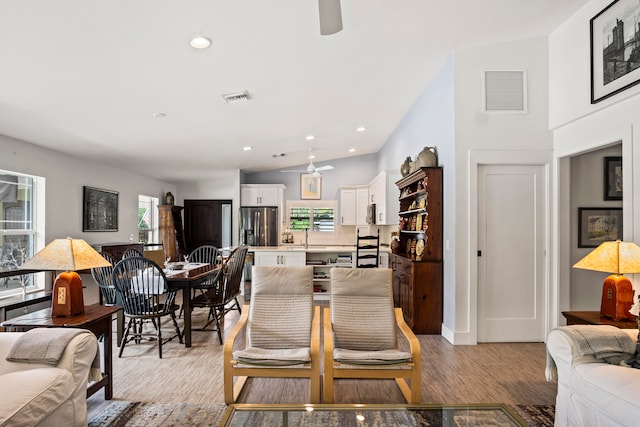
[117, 81]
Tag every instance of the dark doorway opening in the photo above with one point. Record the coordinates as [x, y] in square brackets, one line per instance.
[207, 222]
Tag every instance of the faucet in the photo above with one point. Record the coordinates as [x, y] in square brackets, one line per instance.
[306, 238]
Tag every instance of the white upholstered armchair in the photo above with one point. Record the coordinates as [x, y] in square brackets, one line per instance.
[282, 331]
[360, 333]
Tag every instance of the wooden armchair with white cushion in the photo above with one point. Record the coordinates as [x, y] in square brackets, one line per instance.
[282, 331]
[360, 333]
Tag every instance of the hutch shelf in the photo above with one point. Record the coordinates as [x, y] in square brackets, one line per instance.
[417, 265]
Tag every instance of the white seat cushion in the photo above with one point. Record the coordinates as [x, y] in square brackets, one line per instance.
[274, 357]
[610, 386]
[34, 394]
[384, 357]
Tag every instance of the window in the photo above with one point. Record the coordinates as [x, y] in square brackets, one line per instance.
[21, 229]
[148, 219]
[316, 215]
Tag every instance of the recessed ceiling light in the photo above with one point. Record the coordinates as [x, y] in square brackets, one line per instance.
[310, 137]
[246, 148]
[361, 129]
[200, 42]
[352, 150]
[159, 115]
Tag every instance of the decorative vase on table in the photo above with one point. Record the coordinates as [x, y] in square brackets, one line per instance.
[427, 158]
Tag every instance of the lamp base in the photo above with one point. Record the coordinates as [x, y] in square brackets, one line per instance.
[617, 297]
[67, 298]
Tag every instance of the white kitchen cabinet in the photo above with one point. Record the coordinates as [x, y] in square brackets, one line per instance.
[384, 194]
[353, 205]
[279, 258]
[362, 201]
[261, 195]
[347, 206]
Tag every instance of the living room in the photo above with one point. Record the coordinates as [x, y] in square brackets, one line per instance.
[561, 123]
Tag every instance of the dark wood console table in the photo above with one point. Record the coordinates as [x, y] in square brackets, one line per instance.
[96, 318]
[594, 318]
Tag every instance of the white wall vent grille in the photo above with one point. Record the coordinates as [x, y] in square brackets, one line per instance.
[505, 91]
[236, 97]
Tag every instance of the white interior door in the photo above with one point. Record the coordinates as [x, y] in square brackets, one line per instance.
[511, 253]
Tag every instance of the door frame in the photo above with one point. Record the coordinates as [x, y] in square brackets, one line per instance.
[507, 158]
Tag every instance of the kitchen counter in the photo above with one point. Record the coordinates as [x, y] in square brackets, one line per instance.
[310, 249]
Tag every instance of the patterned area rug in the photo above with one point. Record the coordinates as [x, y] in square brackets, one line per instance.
[537, 415]
[149, 414]
[140, 414]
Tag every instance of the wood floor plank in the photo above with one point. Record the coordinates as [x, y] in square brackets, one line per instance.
[510, 373]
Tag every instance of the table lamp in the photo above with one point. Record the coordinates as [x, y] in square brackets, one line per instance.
[69, 255]
[617, 292]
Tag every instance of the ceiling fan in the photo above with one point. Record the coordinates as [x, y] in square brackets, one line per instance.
[330, 17]
[311, 168]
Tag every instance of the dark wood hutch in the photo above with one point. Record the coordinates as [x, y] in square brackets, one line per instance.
[417, 271]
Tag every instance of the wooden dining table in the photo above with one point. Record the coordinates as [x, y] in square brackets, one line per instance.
[184, 280]
[187, 280]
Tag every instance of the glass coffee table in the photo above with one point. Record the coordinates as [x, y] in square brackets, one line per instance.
[360, 415]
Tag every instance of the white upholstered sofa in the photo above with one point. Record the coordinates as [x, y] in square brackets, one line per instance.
[47, 394]
[591, 391]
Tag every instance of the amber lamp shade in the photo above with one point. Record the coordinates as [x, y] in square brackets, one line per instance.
[70, 255]
[617, 291]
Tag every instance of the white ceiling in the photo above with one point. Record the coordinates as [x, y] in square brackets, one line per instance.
[87, 76]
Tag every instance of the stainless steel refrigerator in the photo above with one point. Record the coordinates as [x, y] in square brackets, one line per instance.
[259, 226]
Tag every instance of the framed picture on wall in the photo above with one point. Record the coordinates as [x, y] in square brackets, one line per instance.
[615, 56]
[100, 210]
[310, 186]
[597, 225]
[613, 178]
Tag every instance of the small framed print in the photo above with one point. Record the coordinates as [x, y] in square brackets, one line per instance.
[598, 225]
[310, 186]
[613, 178]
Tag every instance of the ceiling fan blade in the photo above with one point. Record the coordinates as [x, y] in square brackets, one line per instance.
[330, 17]
[324, 168]
[294, 170]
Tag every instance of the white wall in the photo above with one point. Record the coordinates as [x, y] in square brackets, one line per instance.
[569, 69]
[491, 138]
[66, 175]
[580, 127]
[587, 189]
[430, 122]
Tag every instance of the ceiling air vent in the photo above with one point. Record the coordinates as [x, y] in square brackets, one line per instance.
[234, 98]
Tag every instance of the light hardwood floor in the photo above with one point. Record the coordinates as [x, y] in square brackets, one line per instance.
[485, 373]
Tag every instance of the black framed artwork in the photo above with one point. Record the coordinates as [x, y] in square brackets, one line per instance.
[615, 58]
[613, 178]
[100, 210]
[598, 225]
